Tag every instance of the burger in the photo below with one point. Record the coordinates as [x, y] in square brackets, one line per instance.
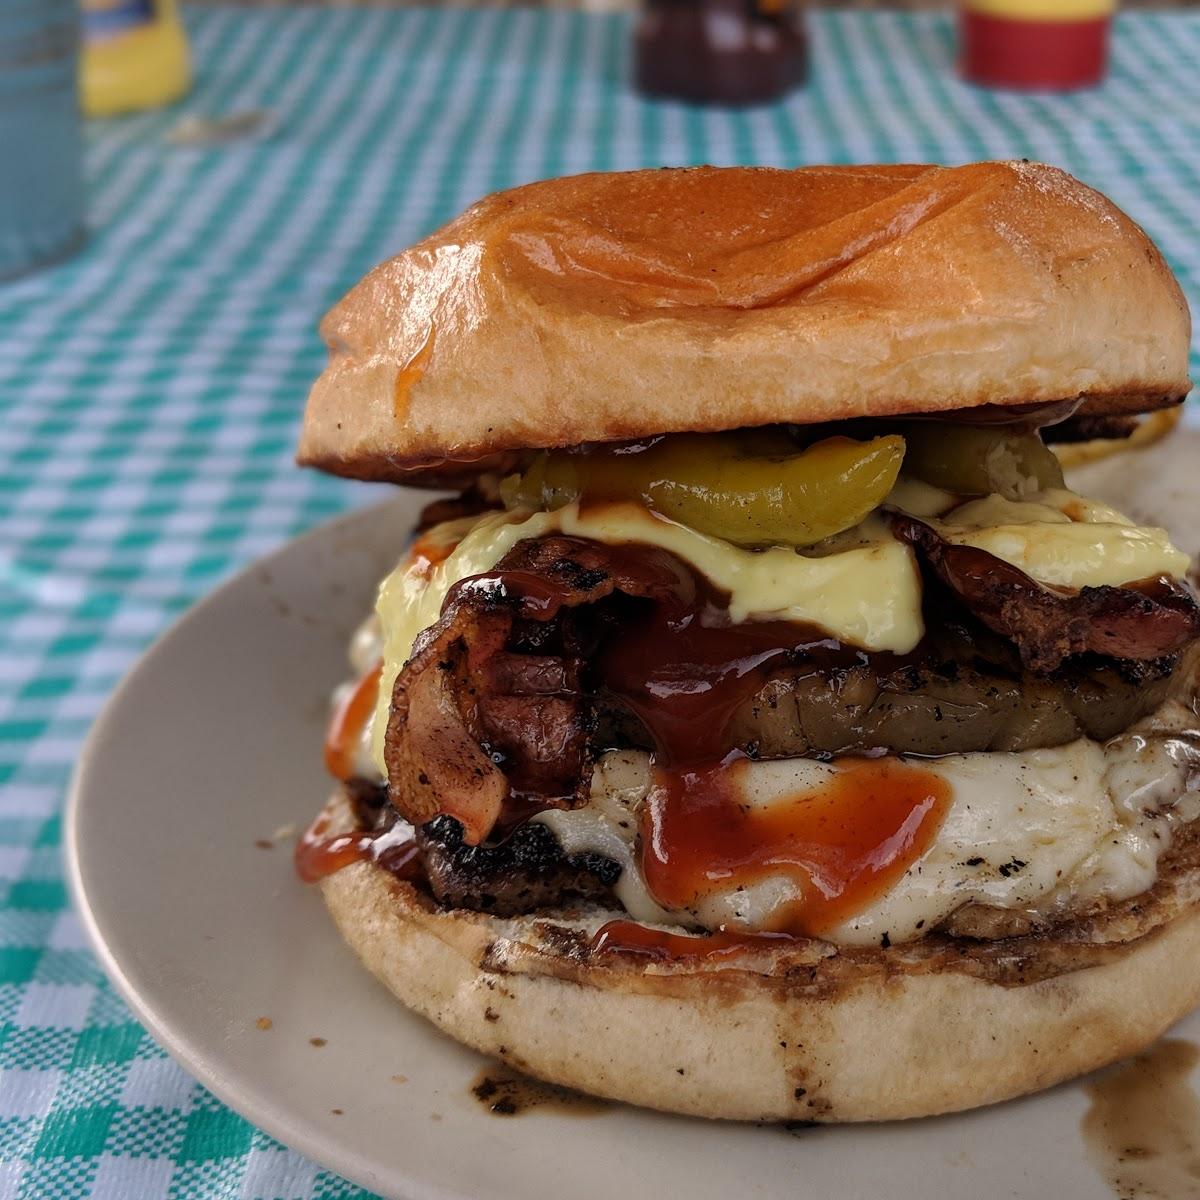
[758, 726]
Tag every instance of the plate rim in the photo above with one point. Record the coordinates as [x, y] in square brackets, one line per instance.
[308, 1140]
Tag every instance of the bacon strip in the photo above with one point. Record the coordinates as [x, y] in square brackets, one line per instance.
[1137, 623]
[433, 753]
[489, 709]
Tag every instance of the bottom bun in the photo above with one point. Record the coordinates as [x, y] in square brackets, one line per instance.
[812, 1033]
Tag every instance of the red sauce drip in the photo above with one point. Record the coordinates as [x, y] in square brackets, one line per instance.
[427, 552]
[844, 844]
[683, 669]
[674, 659]
[640, 941]
[318, 855]
[411, 374]
[347, 723]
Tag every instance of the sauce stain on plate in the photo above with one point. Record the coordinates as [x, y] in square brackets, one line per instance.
[507, 1093]
[1142, 1130]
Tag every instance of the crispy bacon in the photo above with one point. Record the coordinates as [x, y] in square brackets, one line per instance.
[432, 749]
[1139, 623]
[490, 705]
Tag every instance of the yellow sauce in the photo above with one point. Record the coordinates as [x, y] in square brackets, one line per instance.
[1044, 10]
[1064, 540]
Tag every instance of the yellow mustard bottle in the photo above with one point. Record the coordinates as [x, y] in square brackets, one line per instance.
[135, 56]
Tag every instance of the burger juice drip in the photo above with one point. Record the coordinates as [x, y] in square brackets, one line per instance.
[319, 853]
[660, 945]
[681, 668]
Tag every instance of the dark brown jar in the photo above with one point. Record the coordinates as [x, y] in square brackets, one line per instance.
[720, 51]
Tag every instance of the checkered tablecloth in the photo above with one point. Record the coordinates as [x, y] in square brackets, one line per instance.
[150, 392]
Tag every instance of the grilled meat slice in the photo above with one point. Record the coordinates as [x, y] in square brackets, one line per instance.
[1104, 427]
[491, 704]
[1048, 625]
[526, 871]
[945, 706]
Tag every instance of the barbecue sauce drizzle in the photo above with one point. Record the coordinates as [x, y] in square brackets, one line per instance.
[842, 844]
[346, 725]
[682, 668]
[679, 666]
[318, 853]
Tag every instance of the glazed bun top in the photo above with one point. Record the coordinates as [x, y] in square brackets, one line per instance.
[613, 306]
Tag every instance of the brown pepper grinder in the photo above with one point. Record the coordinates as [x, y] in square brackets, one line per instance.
[720, 51]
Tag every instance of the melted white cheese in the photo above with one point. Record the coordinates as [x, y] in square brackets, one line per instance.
[1039, 831]
[1064, 540]
[608, 825]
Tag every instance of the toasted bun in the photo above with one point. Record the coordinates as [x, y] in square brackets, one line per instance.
[613, 306]
[816, 1034]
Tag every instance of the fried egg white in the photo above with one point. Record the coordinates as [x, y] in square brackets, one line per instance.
[1044, 831]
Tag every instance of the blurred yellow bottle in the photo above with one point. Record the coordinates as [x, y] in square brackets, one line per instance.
[135, 56]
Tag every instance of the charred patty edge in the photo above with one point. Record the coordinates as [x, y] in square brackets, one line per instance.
[559, 943]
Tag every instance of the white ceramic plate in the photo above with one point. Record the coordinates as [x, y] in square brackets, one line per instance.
[213, 743]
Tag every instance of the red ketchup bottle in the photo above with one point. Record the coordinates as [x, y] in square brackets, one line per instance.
[1057, 45]
[720, 51]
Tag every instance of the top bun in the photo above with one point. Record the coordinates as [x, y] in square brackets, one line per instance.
[612, 306]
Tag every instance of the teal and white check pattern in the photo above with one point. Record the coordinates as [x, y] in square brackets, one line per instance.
[150, 391]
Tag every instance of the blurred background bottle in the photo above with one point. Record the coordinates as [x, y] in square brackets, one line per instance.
[135, 56]
[720, 51]
[1055, 45]
[41, 188]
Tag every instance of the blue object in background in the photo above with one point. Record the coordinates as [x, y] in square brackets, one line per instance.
[41, 187]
